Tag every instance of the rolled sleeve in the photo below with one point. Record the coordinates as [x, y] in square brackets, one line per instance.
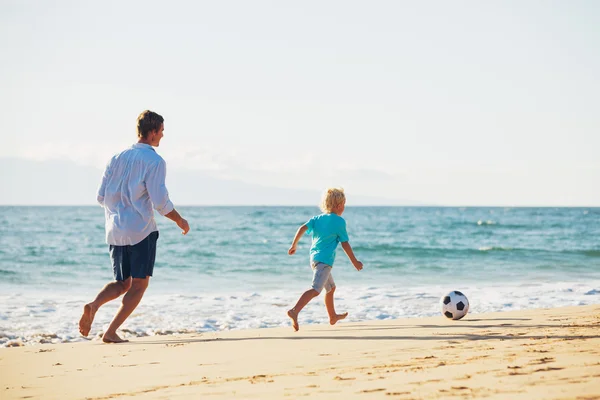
[157, 189]
[102, 188]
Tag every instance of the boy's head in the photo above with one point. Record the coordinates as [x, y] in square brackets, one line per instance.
[333, 200]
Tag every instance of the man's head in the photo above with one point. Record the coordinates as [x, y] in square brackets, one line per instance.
[333, 201]
[150, 127]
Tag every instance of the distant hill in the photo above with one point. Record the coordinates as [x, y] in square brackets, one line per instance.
[57, 182]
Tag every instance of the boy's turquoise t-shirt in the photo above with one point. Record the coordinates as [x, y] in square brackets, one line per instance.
[327, 231]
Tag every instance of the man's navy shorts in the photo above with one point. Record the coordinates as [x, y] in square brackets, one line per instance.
[135, 261]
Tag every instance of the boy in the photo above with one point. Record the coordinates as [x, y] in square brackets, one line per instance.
[327, 230]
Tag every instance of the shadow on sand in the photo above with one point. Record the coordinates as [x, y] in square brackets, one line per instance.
[520, 332]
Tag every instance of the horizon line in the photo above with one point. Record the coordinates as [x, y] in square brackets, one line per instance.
[316, 205]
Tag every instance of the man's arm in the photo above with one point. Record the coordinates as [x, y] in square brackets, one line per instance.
[348, 250]
[102, 188]
[301, 231]
[159, 196]
[157, 189]
[181, 222]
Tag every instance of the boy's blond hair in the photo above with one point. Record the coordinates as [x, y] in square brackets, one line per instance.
[332, 197]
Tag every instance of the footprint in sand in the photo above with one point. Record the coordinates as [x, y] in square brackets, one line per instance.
[543, 360]
[339, 378]
[424, 358]
[372, 390]
[547, 369]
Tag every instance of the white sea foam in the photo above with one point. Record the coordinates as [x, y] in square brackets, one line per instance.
[233, 271]
[490, 248]
[28, 319]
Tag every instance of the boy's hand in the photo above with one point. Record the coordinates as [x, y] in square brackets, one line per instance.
[292, 250]
[358, 265]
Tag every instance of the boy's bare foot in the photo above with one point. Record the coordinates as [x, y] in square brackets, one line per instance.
[294, 317]
[337, 318]
[85, 323]
[113, 338]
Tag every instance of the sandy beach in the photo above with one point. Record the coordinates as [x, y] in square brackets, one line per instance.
[532, 354]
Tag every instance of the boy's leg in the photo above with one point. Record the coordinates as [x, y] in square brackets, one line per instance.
[109, 292]
[130, 301]
[321, 275]
[333, 317]
[302, 301]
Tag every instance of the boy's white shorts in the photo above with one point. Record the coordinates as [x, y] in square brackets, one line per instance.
[322, 277]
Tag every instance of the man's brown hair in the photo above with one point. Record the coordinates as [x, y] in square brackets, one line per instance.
[147, 122]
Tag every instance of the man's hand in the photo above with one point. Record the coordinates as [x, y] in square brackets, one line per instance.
[183, 225]
[292, 249]
[358, 265]
[179, 220]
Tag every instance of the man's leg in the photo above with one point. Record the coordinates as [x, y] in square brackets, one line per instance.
[333, 317]
[130, 301]
[110, 292]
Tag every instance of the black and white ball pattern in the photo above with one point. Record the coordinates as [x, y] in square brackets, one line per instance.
[454, 305]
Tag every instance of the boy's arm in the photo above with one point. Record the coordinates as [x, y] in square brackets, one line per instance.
[301, 231]
[348, 249]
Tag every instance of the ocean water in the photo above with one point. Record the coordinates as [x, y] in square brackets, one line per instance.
[232, 270]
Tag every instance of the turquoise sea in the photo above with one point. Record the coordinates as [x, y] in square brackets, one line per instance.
[232, 270]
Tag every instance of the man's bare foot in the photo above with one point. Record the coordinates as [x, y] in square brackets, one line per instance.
[85, 323]
[294, 317]
[112, 338]
[338, 317]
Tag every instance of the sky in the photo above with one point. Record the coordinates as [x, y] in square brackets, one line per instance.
[431, 102]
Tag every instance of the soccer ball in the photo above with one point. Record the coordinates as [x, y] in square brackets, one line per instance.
[454, 305]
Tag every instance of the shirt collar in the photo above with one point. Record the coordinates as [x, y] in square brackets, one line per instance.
[143, 146]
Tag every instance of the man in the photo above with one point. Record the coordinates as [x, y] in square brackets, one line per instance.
[132, 186]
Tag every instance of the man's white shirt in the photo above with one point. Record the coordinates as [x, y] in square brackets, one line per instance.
[133, 185]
